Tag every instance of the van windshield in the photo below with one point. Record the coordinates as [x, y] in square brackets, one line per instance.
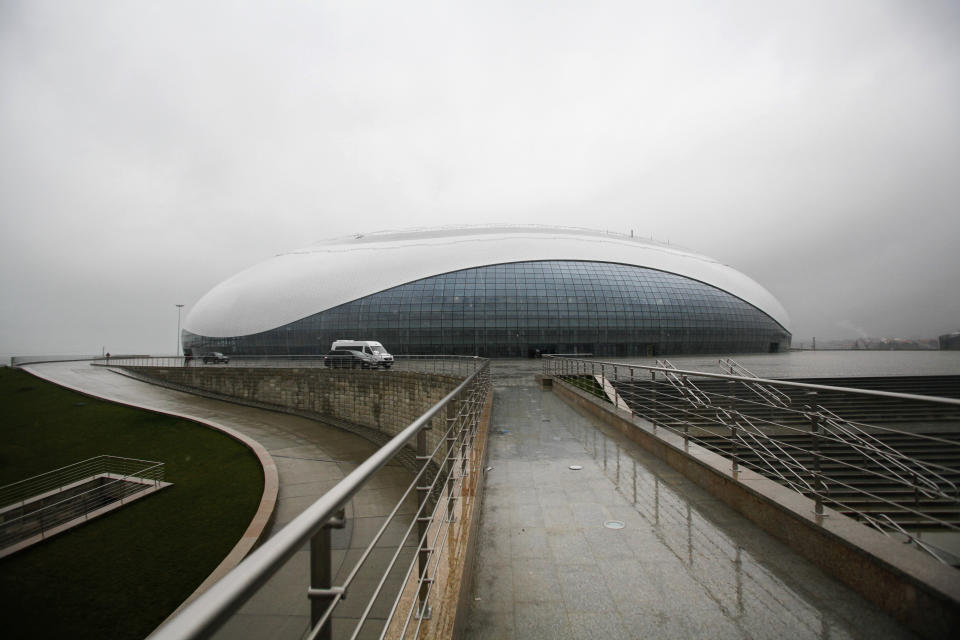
[378, 349]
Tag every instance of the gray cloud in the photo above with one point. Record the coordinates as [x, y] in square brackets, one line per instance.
[150, 150]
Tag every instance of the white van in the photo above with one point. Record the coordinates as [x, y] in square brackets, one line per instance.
[370, 352]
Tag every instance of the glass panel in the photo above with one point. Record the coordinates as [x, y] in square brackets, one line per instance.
[514, 309]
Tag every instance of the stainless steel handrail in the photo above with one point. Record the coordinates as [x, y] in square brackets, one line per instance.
[765, 392]
[208, 612]
[783, 383]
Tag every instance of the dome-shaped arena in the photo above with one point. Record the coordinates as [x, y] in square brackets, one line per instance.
[490, 291]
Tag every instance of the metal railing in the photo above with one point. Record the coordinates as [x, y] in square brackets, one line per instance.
[891, 478]
[18, 361]
[37, 505]
[447, 365]
[444, 469]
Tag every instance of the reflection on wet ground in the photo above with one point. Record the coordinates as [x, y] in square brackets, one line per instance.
[723, 567]
[683, 565]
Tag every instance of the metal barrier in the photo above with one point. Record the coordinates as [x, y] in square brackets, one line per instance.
[898, 481]
[444, 468]
[452, 365]
[37, 505]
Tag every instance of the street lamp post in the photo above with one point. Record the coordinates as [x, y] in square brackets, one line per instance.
[179, 309]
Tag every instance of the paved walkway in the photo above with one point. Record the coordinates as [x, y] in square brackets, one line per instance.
[682, 566]
[310, 459]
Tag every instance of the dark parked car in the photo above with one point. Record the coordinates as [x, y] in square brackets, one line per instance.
[215, 357]
[343, 359]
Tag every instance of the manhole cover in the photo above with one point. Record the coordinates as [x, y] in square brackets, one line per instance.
[576, 467]
[613, 524]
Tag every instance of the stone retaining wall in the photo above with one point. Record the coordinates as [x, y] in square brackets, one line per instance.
[382, 401]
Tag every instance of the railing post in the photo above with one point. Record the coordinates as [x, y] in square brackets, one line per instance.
[653, 400]
[734, 450]
[815, 436]
[466, 431]
[686, 422]
[423, 527]
[453, 417]
[321, 575]
[616, 394]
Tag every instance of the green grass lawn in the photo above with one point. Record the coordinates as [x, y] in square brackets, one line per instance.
[588, 384]
[120, 575]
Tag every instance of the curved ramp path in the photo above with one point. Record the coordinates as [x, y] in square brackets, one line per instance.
[309, 458]
[680, 565]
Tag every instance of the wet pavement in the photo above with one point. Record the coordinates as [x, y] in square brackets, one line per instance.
[681, 565]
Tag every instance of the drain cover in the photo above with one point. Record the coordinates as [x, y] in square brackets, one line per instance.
[613, 524]
[576, 467]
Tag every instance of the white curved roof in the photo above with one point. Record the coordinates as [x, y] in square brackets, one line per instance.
[300, 283]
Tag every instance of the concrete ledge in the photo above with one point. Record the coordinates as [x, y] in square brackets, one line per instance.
[918, 591]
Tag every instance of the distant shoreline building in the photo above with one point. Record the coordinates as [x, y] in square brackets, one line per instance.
[500, 291]
[950, 341]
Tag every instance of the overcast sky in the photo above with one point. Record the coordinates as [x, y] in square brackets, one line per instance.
[151, 149]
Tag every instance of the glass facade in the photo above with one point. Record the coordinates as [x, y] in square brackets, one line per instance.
[519, 308]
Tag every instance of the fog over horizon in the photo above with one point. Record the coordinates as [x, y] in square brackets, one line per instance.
[152, 150]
